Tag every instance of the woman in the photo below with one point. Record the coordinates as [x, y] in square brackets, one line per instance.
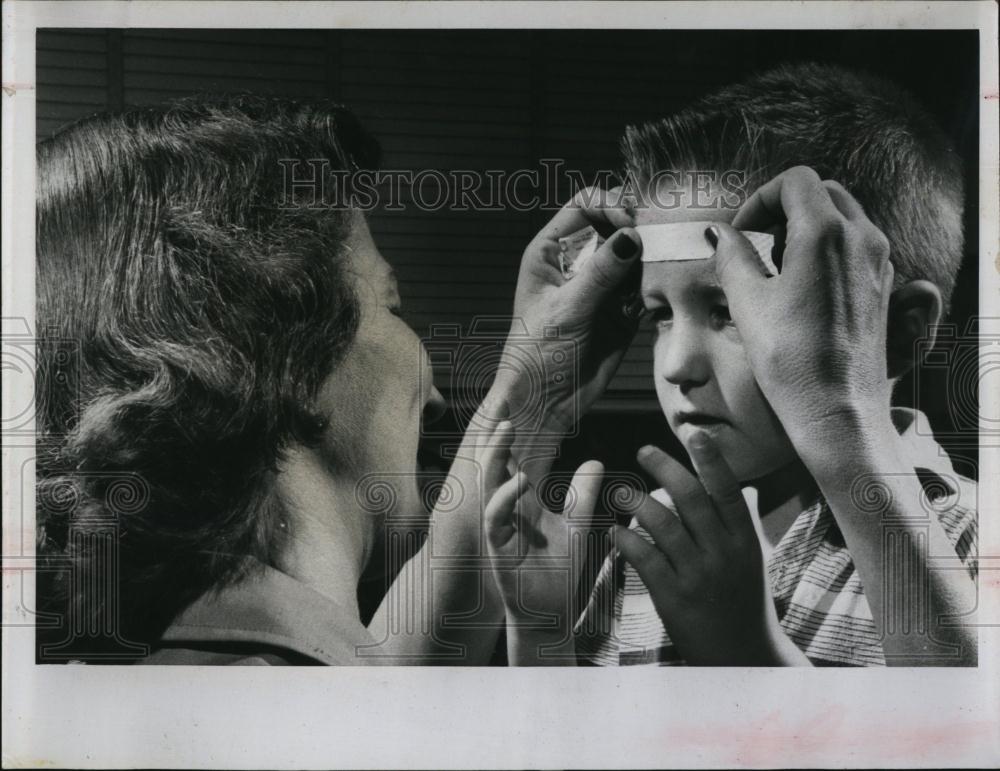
[240, 370]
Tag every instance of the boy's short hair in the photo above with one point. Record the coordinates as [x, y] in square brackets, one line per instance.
[863, 131]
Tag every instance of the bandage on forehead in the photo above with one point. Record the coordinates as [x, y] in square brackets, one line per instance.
[677, 242]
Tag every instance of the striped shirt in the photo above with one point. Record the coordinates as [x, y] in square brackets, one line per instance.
[817, 591]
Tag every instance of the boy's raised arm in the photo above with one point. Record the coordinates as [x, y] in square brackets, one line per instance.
[816, 337]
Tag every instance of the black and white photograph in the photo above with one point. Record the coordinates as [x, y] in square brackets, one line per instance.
[605, 374]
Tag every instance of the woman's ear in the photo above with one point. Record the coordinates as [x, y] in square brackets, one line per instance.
[914, 312]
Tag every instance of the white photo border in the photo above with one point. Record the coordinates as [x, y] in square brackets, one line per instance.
[174, 717]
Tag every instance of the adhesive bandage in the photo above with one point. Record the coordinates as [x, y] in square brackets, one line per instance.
[660, 243]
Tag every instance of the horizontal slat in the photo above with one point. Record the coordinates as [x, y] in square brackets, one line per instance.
[210, 81]
[45, 61]
[434, 290]
[512, 45]
[387, 127]
[70, 76]
[366, 103]
[460, 306]
[400, 158]
[467, 145]
[433, 63]
[137, 96]
[475, 224]
[448, 81]
[310, 71]
[184, 47]
[402, 94]
[451, 259]
[477, 271]
[213, 38]
[85, 95]
[71, 40]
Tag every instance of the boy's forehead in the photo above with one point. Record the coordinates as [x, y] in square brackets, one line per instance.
[670, 204]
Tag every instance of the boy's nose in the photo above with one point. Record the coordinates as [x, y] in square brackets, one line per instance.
[683, 360]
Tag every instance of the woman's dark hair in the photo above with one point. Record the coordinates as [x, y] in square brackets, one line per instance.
[190, 305]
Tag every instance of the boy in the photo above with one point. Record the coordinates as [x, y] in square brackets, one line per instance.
[781, 383]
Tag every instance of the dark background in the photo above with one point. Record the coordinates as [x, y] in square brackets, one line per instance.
[461, 99]
[472, 99]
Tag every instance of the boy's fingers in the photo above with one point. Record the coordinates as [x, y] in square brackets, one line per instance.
[649, 563]
[694, 507]
[605, 271]
[721, 484]
[796, 195]
[499, 514]
[668, 533]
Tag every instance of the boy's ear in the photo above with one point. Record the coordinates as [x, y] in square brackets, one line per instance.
[914, 312]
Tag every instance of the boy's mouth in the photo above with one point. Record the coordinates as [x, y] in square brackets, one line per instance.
[698, 419]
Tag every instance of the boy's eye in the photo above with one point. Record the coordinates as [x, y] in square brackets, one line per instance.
[661, 315]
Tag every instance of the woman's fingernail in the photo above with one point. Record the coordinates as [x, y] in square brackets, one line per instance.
[625, 247]
[712, 235]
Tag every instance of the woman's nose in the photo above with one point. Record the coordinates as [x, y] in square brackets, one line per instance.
[683, 359]
[435, 407]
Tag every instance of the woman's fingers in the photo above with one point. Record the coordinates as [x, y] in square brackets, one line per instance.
[493, 460]
[846, 203]
[603, 210]
[584, 493]
[500, 513]
[795, 194]
[491, 411]
[739, 267]
[606, 270]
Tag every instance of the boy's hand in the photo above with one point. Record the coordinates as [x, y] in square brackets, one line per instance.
[706, 574]
[815, 334]
[585, 311]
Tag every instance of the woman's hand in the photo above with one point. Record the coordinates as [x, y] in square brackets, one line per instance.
[817, 338]
[537, 556]
[570, 333]
[706, 573]
[455, 618]
[815, 334]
